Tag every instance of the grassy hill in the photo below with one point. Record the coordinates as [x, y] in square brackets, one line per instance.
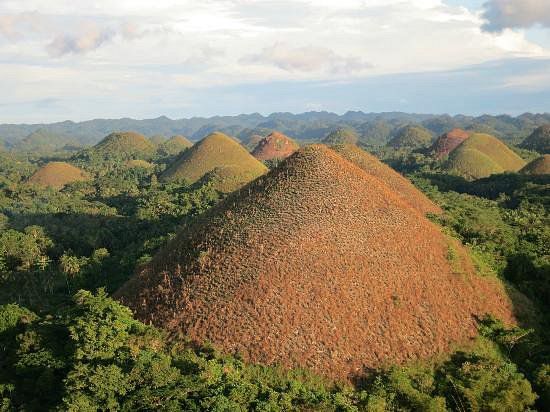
[125, 144]
[448, 142]
[539, 140]
[174, 146]
[275, 146]
[43, 141]
[482, 155]
[539, 166]
[215, 151]
[57, 175]
[341, 136]
[318, 265]
[411, 137]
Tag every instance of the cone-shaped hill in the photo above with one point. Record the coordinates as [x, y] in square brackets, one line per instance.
[539, 140]
[215, 151]
[341, 136]
[539, 166]
[397, 183]
[411, 137]
[448, 142]
[57, 175]
[317, 264]
[275, 146]
[174, 146]
[125, 144]
[482, 155]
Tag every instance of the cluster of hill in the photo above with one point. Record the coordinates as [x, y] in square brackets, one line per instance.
[371, 128]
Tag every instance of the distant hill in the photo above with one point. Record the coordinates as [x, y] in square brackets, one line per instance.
[539, 140]
[411, 137]
[125, 144]
[539, 166]
[316, 265]
[482, 155]
[373, 128]
[275, 146]
[43, 141]
[448, 142]
[214, 152]
[343, 135]
[57, 175]
[174, 146]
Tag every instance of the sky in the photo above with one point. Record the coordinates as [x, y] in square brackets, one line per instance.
[77, 60]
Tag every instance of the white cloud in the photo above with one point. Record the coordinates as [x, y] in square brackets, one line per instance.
[503, 14]
[135, 46]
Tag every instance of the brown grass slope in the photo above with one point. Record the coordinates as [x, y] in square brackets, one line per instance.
[318, 265]
[482, 155]
[57, 175]
[400, 185]
[448, 142]
[215, 151]
[275, 146]
[539, 166]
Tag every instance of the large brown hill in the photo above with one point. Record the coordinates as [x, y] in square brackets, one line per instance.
[216, 151]
[401, 186]
[57, 175]
[275, 146]
[319, 265]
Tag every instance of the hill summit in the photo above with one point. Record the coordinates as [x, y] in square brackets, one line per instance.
[482, 155]
[275, 146]
[316, 264]
[125, 144]
[539, 166]
[448, 142]
[411, 137]
[174, 146]
[57, 175]
[539, 140]
[216, 151]
[342, 135]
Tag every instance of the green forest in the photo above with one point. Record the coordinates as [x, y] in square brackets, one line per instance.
[66, 344]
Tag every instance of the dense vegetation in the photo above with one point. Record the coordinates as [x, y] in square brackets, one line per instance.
[65, 344]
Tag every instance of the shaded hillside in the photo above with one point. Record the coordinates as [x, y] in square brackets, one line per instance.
[411, 137]
[341, 136]
[125, 144]
[316, 264]
[57, 175]
[539, 140]
[174, 146]
[215, 151]
[482, 155]
[275, 146]
[448, 142]
[400, 186]
[539, 166]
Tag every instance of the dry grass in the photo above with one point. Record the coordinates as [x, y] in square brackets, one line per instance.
[214, 151]
[539, 166]
[316, 264]
[448, 142]
[482, 155]
[57, 175]
[386, 175]
[275, 146]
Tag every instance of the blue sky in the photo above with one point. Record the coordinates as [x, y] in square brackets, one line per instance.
[87, 59]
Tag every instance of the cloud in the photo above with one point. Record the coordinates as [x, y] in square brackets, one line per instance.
[15, 27]
[307, 59]
[503, 14]
[88, 39]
